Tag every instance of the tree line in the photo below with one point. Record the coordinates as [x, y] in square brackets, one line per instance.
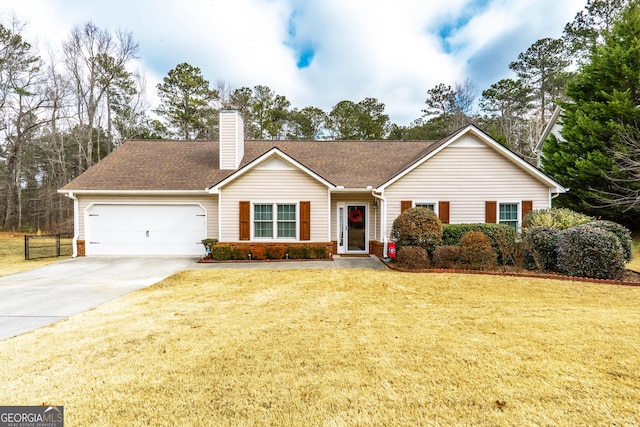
[63, 110]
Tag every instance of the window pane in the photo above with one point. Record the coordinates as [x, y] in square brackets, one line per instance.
[287, 229]
[426, 205]
[263, 212]
[286, 212]
[287, 221]
[263, 229]
[509, 214]
[263, 221]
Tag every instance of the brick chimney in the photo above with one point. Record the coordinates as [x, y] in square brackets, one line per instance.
[231, 139]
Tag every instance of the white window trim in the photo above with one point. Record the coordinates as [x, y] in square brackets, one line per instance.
[518, 211]
[275, 204]
[427, 202]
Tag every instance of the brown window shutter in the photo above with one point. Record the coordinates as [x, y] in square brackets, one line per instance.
[443, 212]
[305, 220]
[405, 204]
[527, 206]
[245, 221]
[490, 212]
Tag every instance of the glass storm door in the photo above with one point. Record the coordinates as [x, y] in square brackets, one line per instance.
[355, 232]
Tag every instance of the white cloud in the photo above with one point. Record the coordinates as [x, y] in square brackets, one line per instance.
[362, 48]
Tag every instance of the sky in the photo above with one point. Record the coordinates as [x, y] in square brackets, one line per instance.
[315, 52]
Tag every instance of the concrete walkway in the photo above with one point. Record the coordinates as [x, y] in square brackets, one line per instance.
[368, 262]
[54, 292]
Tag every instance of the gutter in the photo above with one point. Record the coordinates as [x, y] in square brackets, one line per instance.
[383, 219]
[76, 226]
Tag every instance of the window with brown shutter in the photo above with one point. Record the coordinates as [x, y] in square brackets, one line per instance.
[443, 212]
[305, 220]
[490, 209]
[245, 221]
[527, 206]
[405, 204]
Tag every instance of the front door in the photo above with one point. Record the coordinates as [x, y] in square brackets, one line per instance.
[352, 228]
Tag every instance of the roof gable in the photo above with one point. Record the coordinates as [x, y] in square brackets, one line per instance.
[480, 138]
[272, 159]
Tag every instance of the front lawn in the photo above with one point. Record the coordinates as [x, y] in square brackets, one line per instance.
[12, 255]
[339, 348]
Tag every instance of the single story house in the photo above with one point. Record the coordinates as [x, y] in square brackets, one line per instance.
[163, 197]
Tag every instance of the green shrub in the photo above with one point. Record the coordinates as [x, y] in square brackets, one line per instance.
[541, 245]
[276, 252]
[621, 232]
[317, 252]
[221, 252]
[502, 236]
[240, 252]
[559, 218]
[413, 257]
[298, 252]
[417, 227]
[446, 256]
[587, 251]
[476, 252]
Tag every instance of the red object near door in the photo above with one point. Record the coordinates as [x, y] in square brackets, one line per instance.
[391, 250]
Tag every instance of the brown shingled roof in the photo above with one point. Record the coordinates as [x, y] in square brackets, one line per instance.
[193, 165]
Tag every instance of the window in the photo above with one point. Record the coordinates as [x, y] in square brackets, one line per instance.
[508, 214]
[431, 206]
[287, 221]
[266, 225]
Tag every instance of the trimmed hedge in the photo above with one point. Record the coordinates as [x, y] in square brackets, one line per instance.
[587, 251]
[476, 252]
[541, 245]
[240, 252]
[276, 252]
[417, 227]
[413, 257]
[502, 237]
[446, 256]
[221, 252]
[621, 232]
[559, 218]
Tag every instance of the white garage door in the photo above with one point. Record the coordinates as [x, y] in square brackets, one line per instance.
[145, 230]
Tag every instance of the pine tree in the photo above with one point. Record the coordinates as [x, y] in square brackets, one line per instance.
[604, 105]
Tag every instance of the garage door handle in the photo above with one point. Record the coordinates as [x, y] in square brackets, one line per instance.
[147, 233]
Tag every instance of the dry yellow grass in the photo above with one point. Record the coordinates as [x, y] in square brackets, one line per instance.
[12, 255]
[339, 348]
[635, 262]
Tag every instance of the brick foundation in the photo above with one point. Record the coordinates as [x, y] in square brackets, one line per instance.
[376, 248]
[81, 248]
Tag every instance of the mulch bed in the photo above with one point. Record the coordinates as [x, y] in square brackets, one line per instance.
[631, 278]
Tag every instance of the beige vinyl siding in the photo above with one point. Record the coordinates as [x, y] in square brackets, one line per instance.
[466, 175]
[355, 198]
[272, 186]
[209, 203]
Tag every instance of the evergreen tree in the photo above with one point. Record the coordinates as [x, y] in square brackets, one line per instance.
[186, 102]
[604, 105]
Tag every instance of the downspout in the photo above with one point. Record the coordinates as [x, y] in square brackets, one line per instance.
[383, 219]
[76, 226]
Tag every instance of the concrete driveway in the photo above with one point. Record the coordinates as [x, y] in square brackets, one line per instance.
[48, 294]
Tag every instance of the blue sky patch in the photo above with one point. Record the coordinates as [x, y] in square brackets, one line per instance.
[305, 56]
[448, 28]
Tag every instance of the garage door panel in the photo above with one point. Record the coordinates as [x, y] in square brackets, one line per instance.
[145, 229]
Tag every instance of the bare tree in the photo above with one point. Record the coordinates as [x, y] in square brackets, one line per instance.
[96, 61]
